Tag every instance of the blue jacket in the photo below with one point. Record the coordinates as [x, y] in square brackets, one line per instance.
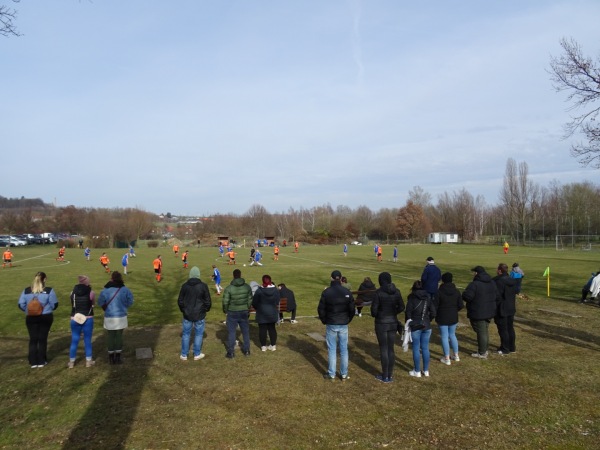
[120, 304]
[431, 278]
[47, 299]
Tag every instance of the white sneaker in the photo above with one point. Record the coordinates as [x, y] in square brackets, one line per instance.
[199, 357]
[272, 347]
[412, 373]
[426, 373]
[89, 363]
[293, 321]
[455, 358]
[446, 361]
[263, 348]
[183, 358]
[70, 364]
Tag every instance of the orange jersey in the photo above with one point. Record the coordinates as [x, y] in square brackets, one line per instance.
[104, 260]
[7, 254]
[61, 252]
[276, 250]
[157, 264]
[231, 254]
[176, 248]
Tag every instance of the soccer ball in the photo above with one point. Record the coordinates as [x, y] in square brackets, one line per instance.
[244, 265]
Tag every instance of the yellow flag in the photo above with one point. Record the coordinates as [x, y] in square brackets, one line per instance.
[546, 272]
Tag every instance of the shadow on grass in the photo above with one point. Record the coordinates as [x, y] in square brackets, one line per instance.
[107, 422]
[311, 352]
[570, 336]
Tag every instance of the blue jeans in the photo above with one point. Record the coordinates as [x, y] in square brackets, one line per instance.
[448, 333]
[87, 328]
[235, 318]
[185, 336]
[420, 347]
[333, 335]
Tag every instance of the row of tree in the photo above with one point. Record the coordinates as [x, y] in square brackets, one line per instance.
[525, 214]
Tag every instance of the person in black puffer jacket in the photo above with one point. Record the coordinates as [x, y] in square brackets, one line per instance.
[481, 297]
[448, 302]
[420, 310]
[365, 296]
[266, 303]
[194, 302]
[82, 302]
[505, 314]
[386, 306]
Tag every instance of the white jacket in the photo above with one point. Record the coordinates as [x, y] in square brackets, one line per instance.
[595, 287]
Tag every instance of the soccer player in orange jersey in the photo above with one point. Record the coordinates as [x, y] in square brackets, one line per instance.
[105, 262]
[7, 257]
[157, 263]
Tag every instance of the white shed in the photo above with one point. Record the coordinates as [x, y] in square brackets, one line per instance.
[442, 238]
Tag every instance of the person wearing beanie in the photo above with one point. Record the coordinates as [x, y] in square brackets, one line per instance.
[506, 309]
[518, 274]
[420, 310]
[194, 302]
[82, 303]
[387, 304]
[481, 297]
[266, 303]
[336, 311]
[237, 299]
[430, 278]
[448, 302]
[115, 299]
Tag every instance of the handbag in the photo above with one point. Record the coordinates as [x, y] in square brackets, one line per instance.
[419, 324]
[111, 299]
[79, 318]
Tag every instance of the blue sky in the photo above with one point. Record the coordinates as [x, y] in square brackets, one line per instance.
[199, 107]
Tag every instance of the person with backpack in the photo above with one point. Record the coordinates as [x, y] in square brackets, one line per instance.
[38, 302]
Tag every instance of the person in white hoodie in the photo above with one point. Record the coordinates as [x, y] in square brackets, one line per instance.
[595, 287]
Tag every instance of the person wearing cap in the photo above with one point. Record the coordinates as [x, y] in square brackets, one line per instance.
[481, 298]
[430, 278]
[237, 299]
[506, 309]
[336, 311]
[266, 303]
[82, 302]
[448, 302]
[387, 304]
[518, 274]
[194, 302]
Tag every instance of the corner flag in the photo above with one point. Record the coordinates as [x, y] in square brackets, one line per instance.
[547, 274]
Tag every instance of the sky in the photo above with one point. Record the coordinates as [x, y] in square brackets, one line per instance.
[200, 107]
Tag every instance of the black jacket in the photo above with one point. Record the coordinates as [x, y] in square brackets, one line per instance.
[481, 297]
[266, 304]
[448, 302]
[507, 292]
[387, 304]
[417, 301]
[80, 300]
[368, 297]
[336, 306]
[288, 294]
[194, 300]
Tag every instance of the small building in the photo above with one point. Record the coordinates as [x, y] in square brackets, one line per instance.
[442, 238]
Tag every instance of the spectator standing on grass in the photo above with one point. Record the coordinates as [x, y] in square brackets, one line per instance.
[115, 299]
[386, 306]
[82, 302]
[420, 310]
[237, 300]
[448, 302]
[480, 297]
[288, 294]
[430, 278]
[506, 309]
[194, 302]
[266, 304]
[365, 296]
[38, 302]
[336, 311]
[518, 274]
[395, 255]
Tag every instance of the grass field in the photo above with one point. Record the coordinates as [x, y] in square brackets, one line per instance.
[544, 396]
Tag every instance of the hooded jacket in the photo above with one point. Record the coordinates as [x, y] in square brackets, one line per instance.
[481, 297]
[430, 278]
[448, 302]
[336, 305]
[121, 302]
[266, 304]
[366, 298]
[288, 294]
[388, 302]
[418, 300]
[507, 293]
[81, 300]
[237, 296]
[194, 298]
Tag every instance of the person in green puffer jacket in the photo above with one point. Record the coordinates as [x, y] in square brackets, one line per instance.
[237, 300]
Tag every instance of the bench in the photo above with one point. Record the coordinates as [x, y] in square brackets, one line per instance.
[358, 302]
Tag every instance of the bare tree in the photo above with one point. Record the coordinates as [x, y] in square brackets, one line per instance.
[7, 16]
[580, 77]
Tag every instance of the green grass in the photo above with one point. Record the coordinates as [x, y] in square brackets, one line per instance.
[545, 396]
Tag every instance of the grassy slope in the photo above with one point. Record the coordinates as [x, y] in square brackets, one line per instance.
[543, 396]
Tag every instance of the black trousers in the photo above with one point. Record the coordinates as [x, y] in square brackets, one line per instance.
[506, 331]
[386, 335]
[263, 328]
[38, 328]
